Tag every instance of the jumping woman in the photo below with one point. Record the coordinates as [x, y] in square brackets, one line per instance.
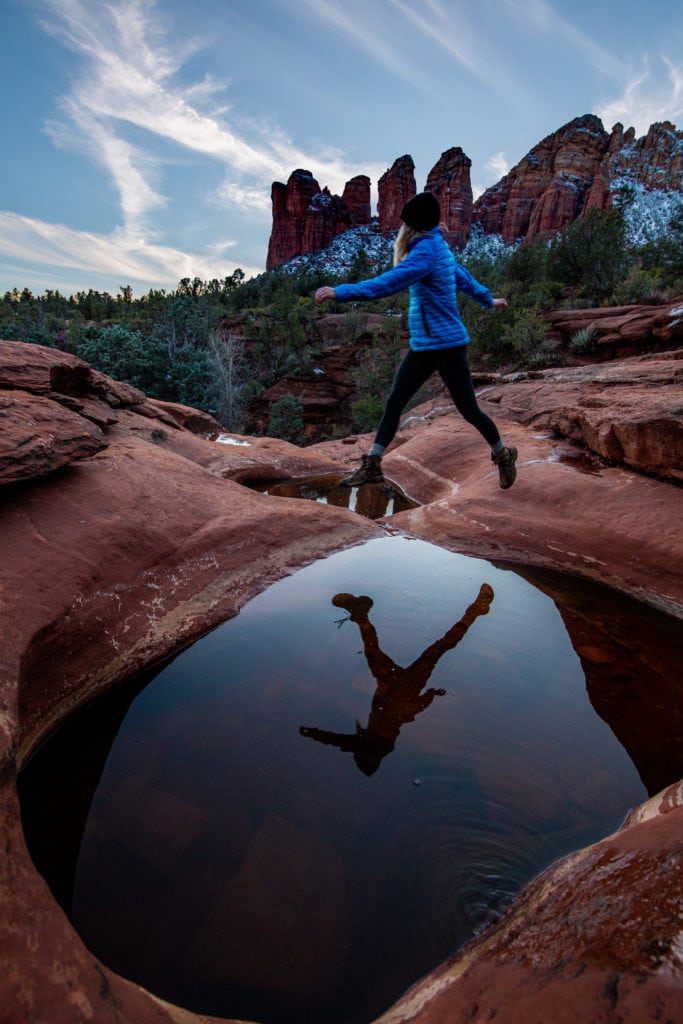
[425, 263]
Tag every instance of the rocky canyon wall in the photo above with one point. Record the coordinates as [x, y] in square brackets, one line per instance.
[569, 172]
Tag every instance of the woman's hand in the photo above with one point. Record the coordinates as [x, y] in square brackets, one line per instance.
[500, 302]
[324, 293]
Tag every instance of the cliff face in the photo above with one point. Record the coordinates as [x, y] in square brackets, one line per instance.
[395, 188]
[547, 189]
[571, 171]
[449, 180]
[306, 218]
[566, 174]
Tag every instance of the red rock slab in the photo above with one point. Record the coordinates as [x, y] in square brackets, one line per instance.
[127, 556]
[602, 522]
[184, 416]
[132, 554]
[41, 370]
[637, 326]
[628, 411]
[38, 436]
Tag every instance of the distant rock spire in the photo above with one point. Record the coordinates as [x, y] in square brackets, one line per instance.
[449, 180]
[395, 188]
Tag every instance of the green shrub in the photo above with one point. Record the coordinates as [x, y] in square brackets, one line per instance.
[590, 254]
[366, 413]
[286, 419]
[638, 286]
[355, 325]
[583, 341]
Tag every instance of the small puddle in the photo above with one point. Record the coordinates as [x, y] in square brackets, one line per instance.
[374, 501]
[323, 799]
[583, 460]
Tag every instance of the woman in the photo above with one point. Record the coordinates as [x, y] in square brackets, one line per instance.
[438, 338]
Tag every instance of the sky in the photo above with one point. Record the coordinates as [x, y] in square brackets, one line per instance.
[141, 138]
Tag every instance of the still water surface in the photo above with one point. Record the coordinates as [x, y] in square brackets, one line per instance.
[322, 799]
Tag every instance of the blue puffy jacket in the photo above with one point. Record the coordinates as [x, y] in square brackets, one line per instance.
[431, 272]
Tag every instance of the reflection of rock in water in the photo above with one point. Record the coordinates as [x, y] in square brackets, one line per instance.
[287, 900]
[631, 657]
[374, 501]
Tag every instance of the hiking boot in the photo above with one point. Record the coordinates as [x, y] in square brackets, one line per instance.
[357, 607]
[506, 466]
[369, 472]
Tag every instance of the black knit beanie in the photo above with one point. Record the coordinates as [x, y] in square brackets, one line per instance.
[422, 212]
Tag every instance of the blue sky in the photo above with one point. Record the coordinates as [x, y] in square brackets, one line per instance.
[141, 138]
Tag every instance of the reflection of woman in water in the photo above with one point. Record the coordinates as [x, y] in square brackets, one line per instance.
[398, 698]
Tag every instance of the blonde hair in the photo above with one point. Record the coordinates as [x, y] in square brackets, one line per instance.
[405, 236]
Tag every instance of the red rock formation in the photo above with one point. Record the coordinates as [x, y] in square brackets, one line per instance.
[356, 198]
[572, 949]
[572, 170]
[656, 160]
[547, 189]
[599, 195]
[395, 188]
[566, 174]
[305, 218]
[449, 180]
[626, 411]
[38, 436]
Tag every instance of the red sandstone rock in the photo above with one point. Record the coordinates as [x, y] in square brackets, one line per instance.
[356, 198]
[395, 188]
[144, 546]
[573, 948]
[38, 436]
[622, 330]
[628, 412]
[449, 180]
[567, 173]
[572, 170]
[306, 218]
[655, 160]
[546, 190]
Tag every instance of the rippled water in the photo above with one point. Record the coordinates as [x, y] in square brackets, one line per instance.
[324, 798]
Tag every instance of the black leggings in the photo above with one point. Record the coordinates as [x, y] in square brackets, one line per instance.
[416, 368]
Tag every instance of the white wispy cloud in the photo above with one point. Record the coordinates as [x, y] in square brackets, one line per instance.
[497, 166]
[370, 29]
[647, 96]
[541, 17]
[129, 107]
[387, 31]
[119, 255]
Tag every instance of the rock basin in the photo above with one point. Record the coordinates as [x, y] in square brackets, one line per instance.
[115, 561]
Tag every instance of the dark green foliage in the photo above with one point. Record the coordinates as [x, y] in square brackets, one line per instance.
[366, 413]
[665, 255]
[286, 419]
[590, 254]
[372, 378]
[126, 356]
